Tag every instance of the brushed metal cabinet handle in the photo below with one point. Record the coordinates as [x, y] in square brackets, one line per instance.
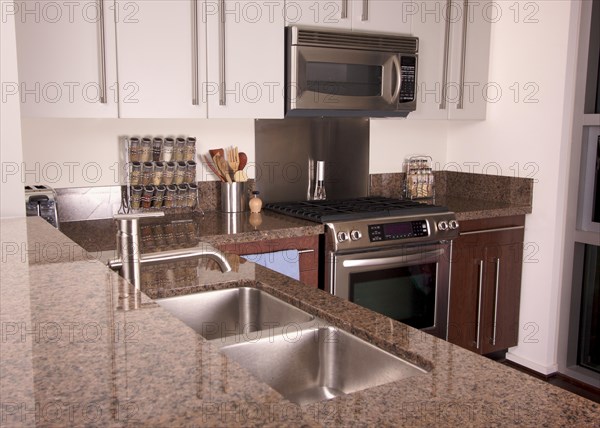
[222, 95]
[496, 300]
[463, 59]
[365, 10]
[479, 303]
[344, 13]
[310, 250]
[195, 98]
[102, 52]
[444, 101]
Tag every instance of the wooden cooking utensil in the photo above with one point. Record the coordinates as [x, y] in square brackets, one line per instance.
[221, 163]
[214, 152]
[243, 160]
[213, 168]
[240, 176]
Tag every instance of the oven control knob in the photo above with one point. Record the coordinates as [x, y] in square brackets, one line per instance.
[453, 224]
[443, 225]
[342, 236]
[355, 235]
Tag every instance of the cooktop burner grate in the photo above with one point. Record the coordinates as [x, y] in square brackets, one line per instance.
[353, 209]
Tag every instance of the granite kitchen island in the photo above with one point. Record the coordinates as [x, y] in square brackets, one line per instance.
[71, 355]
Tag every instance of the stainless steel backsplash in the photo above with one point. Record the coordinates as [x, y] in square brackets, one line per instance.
[287, 151]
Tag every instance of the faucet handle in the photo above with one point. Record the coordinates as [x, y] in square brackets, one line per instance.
[137, 216]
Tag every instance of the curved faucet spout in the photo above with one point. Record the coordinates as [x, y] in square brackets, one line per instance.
[129, 259]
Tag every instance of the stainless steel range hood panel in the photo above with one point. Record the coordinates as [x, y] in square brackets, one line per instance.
[287, 151]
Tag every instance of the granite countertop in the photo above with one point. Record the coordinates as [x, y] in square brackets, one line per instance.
[72, 356]
[475, 209]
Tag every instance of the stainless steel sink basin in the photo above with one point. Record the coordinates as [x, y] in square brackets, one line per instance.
[241, 311]
[318, 364]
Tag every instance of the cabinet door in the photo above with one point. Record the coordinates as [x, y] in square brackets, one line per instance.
[66, 56]
[245, 46]
[382, 16]
[329, 14]
[466, 292]
[469, 60]
[161, 57]
[504, 258]
[454, 49]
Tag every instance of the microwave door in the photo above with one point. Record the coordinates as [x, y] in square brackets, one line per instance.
[342, 79]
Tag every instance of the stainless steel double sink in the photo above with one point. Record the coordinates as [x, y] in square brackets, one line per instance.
[295, 353]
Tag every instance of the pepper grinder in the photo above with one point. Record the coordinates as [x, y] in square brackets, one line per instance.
[255, 202]
[320, 186]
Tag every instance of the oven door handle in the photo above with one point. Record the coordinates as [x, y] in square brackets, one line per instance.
[404, 259]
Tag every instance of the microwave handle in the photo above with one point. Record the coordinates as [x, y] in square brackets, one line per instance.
[420, 257]
[396, 93]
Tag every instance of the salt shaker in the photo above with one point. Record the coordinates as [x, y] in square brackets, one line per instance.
[255, 202]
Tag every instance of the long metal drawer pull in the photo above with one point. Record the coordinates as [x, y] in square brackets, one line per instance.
[397, 259]
[498, 229]
[310, 250]
[195, 85]
[479, 302]
[102, 52]
[461, 94]
[344, 13]
[222, 95]
[365, 11]
[496, 300]
[444, 102]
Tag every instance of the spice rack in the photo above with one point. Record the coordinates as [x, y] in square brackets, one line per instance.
[419, 183]
[160, 174]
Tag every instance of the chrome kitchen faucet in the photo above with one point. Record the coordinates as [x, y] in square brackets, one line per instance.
[129, 257]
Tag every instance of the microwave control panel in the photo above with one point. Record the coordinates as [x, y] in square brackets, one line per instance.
[398, 230]
[408, 70]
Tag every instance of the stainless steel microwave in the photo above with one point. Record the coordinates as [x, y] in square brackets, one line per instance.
[350, 74]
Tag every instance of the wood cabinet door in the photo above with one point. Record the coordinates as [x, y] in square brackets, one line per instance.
[503, 266]
[66, 59]
[466, 292]
[162, 59]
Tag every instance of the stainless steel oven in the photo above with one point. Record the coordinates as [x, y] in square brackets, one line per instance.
[408, 283]
[391, 256]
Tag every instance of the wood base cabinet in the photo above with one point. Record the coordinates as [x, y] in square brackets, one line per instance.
[307, 246]
[485, 284]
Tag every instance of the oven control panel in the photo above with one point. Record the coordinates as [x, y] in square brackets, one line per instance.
[398, 230]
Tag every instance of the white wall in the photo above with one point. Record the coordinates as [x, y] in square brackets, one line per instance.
[86, 152]
[530, 139]
[12, 199]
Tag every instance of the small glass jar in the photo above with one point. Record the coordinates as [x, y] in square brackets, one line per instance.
[169, 173]
[181, 198]
[134, 149]
[192, 195]
[147, 170]
[146, 151]
[169, 200]
[190, 149]
[159, 195]
[180, 172]
[147, 195]
[157, 174]
[179, 151]
[136, 197]
[156, 148]
[167, 149]
[135, 177]
[190, 172]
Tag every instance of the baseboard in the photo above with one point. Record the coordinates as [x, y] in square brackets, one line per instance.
[542, 370]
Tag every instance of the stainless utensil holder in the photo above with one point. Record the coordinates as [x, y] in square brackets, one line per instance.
[234, 197]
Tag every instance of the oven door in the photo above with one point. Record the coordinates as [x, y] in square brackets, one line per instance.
[321, 78]
[407, 283]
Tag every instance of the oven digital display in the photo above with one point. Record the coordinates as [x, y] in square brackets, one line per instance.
[398, 230]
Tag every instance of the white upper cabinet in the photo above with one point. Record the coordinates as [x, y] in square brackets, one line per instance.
[245, 58]
[384, 16]
[319, 13]
[161, 58]
[66, 58]
[454, 50]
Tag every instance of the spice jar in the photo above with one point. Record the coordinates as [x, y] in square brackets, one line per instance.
[169, 173]
[156, 148]
[146, 151]
[167, 149]
[157, 174]
[134, 149]
[190, 149]
[135, 177]
[178, 153]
